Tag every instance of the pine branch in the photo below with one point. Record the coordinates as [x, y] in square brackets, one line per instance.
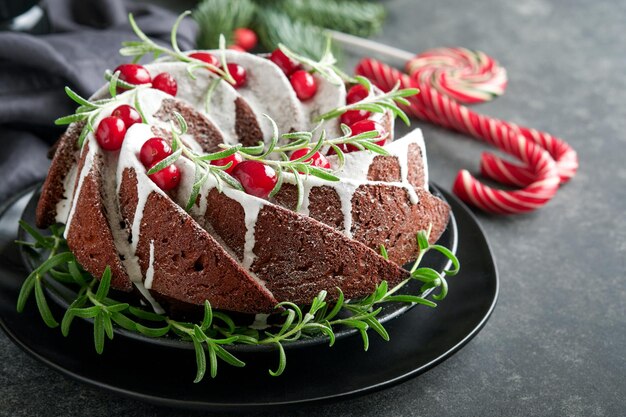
[274, 27]
[216, 17]
[360, 18]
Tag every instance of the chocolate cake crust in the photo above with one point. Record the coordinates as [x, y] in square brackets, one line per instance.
[189, 265]
[65, 156]
[89, 235]
[297, 256]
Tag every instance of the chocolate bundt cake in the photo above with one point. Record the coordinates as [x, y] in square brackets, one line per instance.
[183, 233]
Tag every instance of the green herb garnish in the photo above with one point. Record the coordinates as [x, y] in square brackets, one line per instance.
[217, 329]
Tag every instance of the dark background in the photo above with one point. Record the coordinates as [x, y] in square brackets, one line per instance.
[556, 344]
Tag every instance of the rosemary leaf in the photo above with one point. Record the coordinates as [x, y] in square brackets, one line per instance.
[410, 299]
[124, 321]
[383, 252]
[228, 357]
[145, 315]
[50, 263]
[282, 361]
[152, 331]
[108, 325]
[98, 332]
[42, 304]
[448, 254]
[166, 162]
[200, 360]
[365, 337]
[207, 320]
[374, 324]
[105, 284]
[34, 233]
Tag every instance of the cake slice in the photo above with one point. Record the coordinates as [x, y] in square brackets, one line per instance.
[175, 258]
[406, 162]
[374, 213]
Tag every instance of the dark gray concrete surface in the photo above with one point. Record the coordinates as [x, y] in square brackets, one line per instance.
[556, 344]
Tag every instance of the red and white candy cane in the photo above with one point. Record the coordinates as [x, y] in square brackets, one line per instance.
[547, 160]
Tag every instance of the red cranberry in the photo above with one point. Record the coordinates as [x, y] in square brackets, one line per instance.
[166, 83]
[356, 93]
[236, 48]
[285, 63]
[128, 114]
[352, 116]
[133, 74]
[154, 150]
[304, 84]
[206, 57]
[256, 178]
[345, 148]
[367, 126]
[166, 179]
[245, 38]
[238, 73]
[235, 158]
[317, 160]
[110, 133]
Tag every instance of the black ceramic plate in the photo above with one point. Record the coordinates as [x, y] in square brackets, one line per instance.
[63, 295]
[420, 339]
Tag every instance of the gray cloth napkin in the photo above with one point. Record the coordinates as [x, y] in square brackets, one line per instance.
[84, 41]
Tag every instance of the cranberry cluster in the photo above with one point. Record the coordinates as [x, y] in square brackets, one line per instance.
[358, 120]
[111, 130]
[153, 151]
[236, 71]
[137, 74]
[302, 81]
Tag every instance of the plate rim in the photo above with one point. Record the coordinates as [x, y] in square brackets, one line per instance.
[203, 405]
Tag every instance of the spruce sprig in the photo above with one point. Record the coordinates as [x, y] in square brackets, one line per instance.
[299, 24]
[216, 17]
[357, 17]
[217, 329]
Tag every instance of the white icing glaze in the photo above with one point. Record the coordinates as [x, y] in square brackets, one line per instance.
[86, 169]
[150, 271]
[251, 206]
[400, 149]
[135, 138]
[221, 107]
[64, 205]
[345, 190]
[357, 164]
[329, 96]
[268, 91]
[260, 322]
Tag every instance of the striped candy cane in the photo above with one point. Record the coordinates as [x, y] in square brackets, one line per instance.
[546, 160]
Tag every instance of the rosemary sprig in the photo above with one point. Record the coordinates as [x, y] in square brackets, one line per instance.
[271, 154]
[275, 155]
[137, 49]
[202, 162]
[89, 110]
[325, 66]
[376, 103]
[217, 329]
